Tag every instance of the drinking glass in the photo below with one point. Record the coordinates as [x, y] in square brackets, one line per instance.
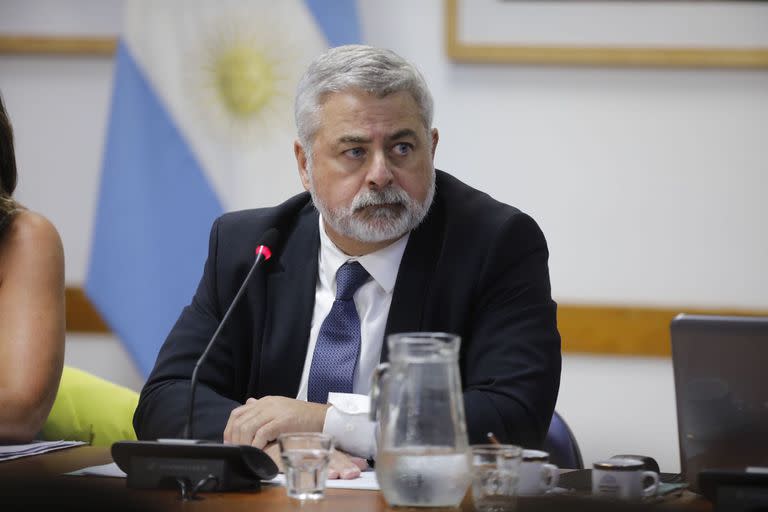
[305, 457]
[495, 473]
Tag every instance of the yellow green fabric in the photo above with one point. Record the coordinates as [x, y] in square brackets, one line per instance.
[91, 409]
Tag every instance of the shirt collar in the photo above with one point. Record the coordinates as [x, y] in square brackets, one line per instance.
[382, 265]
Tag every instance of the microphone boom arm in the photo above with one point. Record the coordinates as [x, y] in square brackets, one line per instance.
[262, 253]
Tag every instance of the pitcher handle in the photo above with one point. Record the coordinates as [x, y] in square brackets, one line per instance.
[378, 374]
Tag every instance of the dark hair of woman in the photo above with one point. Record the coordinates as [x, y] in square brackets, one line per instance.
[7, 169]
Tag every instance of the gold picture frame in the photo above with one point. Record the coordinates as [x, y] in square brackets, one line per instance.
[57, 45]
[698, 57]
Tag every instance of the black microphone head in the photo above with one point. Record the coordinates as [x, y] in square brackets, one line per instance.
[267, 245]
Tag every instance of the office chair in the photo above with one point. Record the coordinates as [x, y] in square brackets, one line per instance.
[561, 444]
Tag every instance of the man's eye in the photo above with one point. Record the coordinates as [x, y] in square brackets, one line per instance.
[354, 153]
[403, 148]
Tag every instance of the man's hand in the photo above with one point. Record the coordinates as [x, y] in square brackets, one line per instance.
[345, 466]
[259, 422]
[342, 466]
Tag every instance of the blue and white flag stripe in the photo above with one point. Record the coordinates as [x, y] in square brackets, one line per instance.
[337, 19]
[188, 140]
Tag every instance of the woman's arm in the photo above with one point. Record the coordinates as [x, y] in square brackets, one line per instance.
[32, 324]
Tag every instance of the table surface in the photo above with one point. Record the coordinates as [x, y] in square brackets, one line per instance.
[38, 481]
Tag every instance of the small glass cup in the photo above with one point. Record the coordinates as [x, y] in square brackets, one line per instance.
[495, 472]
[305, 457]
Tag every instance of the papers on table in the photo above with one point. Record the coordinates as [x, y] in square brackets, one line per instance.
[367, 480]
[110, 470]
[17, 451]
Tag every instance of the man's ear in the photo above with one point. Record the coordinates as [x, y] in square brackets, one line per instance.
[435, 138]
[301, 163]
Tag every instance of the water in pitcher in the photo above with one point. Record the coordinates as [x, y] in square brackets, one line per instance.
[423, 453]
[423, 477]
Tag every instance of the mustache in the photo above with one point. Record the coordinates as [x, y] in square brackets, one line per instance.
[379, 197]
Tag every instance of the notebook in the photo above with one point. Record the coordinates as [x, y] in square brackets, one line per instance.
[721, 389]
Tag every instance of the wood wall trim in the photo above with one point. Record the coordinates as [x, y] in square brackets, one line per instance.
[595, 329]
[57, 45]
[625, 330]
[81, 315]
[600, 56]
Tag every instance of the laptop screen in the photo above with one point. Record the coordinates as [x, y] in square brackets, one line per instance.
[721, 388]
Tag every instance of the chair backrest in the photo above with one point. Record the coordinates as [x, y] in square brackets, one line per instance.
[561, 444]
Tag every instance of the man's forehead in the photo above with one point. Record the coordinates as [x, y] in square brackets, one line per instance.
[355, 97]
[359, 114]
[357, 91]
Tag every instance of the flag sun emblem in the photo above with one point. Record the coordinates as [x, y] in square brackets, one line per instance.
[246, 75]
[245, 80]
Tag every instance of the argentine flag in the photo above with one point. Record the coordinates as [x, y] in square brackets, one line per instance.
[201, 123]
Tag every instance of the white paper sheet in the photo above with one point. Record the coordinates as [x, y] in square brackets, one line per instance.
[104, 470]
[366, 482]
[17, 451]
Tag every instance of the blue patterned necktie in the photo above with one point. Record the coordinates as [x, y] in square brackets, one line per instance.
[338, 342]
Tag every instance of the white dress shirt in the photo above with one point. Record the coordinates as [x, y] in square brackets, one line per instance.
[347, 418]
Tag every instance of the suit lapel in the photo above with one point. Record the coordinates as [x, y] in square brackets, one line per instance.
[290, 302]
[291, 297]
[406, 313]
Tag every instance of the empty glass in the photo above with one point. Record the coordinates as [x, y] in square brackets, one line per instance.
[305, 462]
[495, 473]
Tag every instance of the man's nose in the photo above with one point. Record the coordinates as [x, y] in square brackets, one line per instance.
[379, 173]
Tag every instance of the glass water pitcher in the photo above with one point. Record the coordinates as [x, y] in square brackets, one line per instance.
[423, 453]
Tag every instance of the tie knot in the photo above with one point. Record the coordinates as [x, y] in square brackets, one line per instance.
[349, 278]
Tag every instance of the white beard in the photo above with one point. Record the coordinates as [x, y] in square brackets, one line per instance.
[365, 221]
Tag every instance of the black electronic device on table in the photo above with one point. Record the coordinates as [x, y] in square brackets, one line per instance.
[721, 391]
[207, 466]
[734, 490]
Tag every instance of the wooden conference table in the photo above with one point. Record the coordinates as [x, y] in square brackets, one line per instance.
[38, 483]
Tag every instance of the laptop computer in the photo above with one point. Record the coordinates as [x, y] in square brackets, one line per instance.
[721, 387]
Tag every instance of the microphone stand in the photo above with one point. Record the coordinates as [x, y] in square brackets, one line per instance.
[262, 254]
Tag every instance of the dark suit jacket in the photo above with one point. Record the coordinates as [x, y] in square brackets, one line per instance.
[474, 267]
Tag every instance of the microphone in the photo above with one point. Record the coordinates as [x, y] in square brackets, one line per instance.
[263, 253]
[195, 465]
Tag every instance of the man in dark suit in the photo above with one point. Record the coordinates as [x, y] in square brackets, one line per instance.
[436, 255]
